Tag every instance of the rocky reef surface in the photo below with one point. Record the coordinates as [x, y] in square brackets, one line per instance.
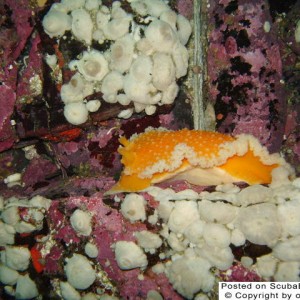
[49, 168]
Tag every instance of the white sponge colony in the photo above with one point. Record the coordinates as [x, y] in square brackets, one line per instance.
[142, 65]
[19, 216]
[81, 222]
[56, 22]
[80, 273]
[129, 255]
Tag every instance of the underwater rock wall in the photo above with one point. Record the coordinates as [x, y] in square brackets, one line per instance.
[253, 60]
[245, 71]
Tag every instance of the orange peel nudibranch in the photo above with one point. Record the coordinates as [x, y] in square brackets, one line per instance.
[199, 157]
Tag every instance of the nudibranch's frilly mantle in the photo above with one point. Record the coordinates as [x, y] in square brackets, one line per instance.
[199, 157]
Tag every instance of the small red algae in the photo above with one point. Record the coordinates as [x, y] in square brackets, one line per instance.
[37, 259]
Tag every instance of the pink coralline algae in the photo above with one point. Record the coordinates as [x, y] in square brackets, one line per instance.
[185, 7]
[37, 171]
[7, 96]
[240, 274]
[244, 68]
[14, 34]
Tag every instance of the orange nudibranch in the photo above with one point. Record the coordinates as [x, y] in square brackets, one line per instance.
[199, 157]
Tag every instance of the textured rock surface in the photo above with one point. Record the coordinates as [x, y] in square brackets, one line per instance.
[245, 71]
[253, 85]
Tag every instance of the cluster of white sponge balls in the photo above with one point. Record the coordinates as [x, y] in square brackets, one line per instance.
[198, 230]
[142, 64]
[15, 260]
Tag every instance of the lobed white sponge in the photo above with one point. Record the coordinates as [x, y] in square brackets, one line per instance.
[189, 275]
[129, 255]
[82, 25]
[288, 249]
[259, 223]
[133, 207]
[148, 240]
[93, 105]
[76, 89]
[163, 74]
[216, 235]
[92, 4]
[150, 54]
[8, 275]
[221, 258]
[81, 222]
[76, 113]
[70, 5]
[80, 273]
[56, 23]
[266, 266]
[287, 271]
[288, 214]
[121, 54]
[161, 36]
[92, 65]
[91, 250]
[112, 83]
[10, 215]
[16, 258]
[218, 212]
[183, 214]
[119, 24]
[68, 291]
[26, 288]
